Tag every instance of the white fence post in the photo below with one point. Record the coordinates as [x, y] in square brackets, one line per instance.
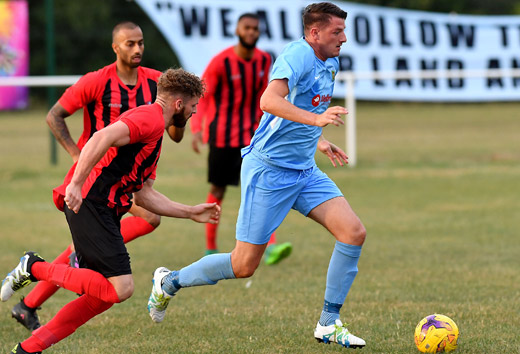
[350, 126]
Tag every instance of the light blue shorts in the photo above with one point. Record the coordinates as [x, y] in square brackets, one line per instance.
[269, 192]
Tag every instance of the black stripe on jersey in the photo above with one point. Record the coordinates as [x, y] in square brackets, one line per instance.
[254, 94]
[153, 89]
[214, 122]
[139, 97]
[242, 70]
[120, 166]
[105, 100]
[148, 162]
[124, 99]
[231, 100]
[91, 108]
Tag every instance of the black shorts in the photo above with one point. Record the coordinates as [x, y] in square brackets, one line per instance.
[96, 233]
[224, 166]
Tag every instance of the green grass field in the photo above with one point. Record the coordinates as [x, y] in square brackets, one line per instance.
[437, 187]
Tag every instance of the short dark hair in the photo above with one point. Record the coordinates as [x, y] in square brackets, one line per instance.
[320, 13]
[123, 25]
[179, 81]
[248, 15]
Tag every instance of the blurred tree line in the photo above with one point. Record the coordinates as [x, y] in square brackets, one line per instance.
[83, 30]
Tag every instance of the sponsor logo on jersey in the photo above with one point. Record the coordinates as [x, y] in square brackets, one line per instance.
[118, 105]
[316, 100]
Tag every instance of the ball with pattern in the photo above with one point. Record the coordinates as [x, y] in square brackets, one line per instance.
[436, 334]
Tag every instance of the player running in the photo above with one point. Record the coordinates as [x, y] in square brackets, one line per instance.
[279, 173]
[117, 160]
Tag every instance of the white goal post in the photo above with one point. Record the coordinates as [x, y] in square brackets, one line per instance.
[350, 77]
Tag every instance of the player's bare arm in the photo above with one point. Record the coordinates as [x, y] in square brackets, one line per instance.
[273, 101]
[56, 121]
[158, 203]
[116, 134]
[334, 153]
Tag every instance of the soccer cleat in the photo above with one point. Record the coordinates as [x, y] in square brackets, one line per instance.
[26, 316]
[212, 251]
[275, 253]
[159, 299]
[73, 260]
[19, 350]
[337, 333]
[20, 276]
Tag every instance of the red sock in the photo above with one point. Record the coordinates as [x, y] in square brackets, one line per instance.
[272, 240]
[78, 280]
[134, 226]
[66, 321]
[44, 290]
[211, 229]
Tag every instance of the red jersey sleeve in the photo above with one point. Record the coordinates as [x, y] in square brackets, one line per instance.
[206, 103]
[145, 123]
[81, 93]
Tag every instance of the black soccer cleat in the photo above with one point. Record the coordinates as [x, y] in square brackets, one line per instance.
[26, 316]
[19, 350]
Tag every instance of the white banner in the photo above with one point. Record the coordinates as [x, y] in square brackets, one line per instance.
[379, 39]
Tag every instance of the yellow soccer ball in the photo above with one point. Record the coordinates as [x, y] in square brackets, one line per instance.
[436, 334]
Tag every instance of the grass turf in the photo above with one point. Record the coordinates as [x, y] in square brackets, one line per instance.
[436, 186]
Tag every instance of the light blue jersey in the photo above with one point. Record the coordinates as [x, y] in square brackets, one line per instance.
[285, 143]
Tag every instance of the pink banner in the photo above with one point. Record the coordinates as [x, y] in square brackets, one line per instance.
[14, 51]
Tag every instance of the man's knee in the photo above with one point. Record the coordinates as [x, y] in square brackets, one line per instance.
[124, 287]
[244, 270]
[359, 234]
[125, 292]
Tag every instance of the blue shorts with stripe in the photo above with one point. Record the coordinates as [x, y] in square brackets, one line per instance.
[269, 192]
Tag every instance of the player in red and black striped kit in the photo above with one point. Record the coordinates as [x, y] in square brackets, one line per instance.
[103, 95]
[117, 160]
[228, 116]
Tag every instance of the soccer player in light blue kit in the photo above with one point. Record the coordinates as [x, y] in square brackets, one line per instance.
[279, 173]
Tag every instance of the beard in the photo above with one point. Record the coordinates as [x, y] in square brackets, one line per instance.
[180, 119]
[246, 44]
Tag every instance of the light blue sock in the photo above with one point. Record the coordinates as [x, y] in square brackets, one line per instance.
[206, 271]
[340, 276]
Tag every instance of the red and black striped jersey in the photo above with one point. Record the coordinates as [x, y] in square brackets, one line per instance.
[229, 112]
[104, 97]
[123, 170]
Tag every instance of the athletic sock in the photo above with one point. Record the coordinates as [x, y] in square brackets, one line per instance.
[206, 271]
[133, 227]
[66, 321]
[272, 239]
[211, 229]
[78, 280]
[340, 276]
[44, 290]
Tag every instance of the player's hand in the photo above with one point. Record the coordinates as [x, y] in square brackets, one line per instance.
[73, 197]
[206, 212]
[196, 142]
[331, 116]
[334, 153]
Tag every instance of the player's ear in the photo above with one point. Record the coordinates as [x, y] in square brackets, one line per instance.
[178, 104]
[114, 48]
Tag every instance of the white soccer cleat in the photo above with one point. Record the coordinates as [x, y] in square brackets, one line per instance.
[337, 333]
[17, 279]
[159, 299]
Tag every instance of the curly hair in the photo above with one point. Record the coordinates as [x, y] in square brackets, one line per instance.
[179, 81]
[320, 13]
